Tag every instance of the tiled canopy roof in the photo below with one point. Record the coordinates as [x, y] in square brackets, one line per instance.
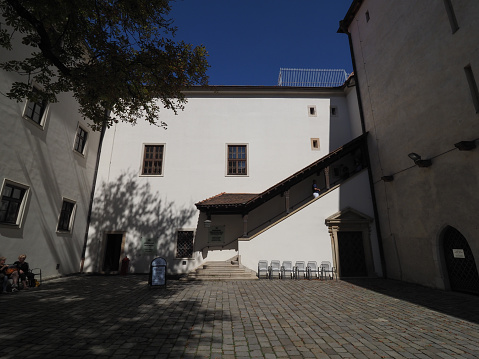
[228, 199]
[237, 203]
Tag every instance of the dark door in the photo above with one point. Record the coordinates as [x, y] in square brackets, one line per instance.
[111, 262]
[352, 262]
[461, 267]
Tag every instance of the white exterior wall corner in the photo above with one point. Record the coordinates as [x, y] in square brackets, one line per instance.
[43, 159]
[304, 235]
[273, 123]
[416, 98]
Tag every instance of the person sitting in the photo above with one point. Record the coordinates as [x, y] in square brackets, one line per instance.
[8, 272]
[25, 275]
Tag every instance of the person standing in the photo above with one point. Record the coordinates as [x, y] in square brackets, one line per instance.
[315, 189]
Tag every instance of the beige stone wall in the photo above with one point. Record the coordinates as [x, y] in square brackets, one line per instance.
[416, 98]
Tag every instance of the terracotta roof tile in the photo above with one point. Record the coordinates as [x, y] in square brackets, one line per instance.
[228, 199]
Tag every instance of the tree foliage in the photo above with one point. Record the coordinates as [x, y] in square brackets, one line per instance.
[114, 55]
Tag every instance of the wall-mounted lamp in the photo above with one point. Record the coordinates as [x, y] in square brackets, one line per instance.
[207, 223]
[387, 178]
[418, 161]
[465, 145]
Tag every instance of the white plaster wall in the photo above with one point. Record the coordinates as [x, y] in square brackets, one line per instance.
[417, 99]
[276, 127]
[44, 161]
[304, 235]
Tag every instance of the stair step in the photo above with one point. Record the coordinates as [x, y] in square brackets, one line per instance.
[222, 270]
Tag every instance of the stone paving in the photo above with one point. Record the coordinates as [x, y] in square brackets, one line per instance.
[121, 317]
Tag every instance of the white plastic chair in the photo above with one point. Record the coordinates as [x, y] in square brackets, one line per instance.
[312, 269]
[327, 271]
[299, 267]
[263, 267]
[287, 270]
[275, 269]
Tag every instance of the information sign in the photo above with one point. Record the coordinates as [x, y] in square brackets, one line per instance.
[157, 272]
[216, 235]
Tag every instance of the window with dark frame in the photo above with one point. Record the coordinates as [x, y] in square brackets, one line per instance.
[153, 160]
[472, 86]
[184, 244]
[12, 198]
[35, 109]
[64, 223]
[237, 160]
[80, 140]
[451, 15]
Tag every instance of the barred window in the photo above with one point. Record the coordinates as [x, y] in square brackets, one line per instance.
[66, 216]
[80, 140]
[184, 244]
[153, 160]
[237, 164]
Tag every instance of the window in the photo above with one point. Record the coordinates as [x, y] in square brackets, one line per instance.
[35, 110]
[237, 160]
[80, 140]
[312, 111]
[315, 143]
[367, 16]
[13, 203]
[334, 111]
[153, 160]
[472, 86]
[65, 223]
[451, 15]
[184, 244]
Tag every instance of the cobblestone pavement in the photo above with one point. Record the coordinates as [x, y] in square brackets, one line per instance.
[121, 317]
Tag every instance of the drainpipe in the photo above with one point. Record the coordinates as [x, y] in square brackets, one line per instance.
[343, 29]
[92, 194]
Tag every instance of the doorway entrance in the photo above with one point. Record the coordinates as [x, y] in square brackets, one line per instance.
[460, 263]
[113, 247]
[351, 254]
[350, 232]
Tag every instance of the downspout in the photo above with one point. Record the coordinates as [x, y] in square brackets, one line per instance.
[92, 194]
[343, 29]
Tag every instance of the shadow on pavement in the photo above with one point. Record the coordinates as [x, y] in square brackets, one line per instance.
[459, 305]
[104, 318]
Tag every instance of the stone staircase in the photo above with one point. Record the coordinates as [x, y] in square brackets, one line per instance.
[222, 270]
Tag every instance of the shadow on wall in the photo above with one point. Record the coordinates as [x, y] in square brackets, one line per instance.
[129, 205]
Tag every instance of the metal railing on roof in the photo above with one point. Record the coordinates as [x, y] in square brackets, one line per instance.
[312, 77]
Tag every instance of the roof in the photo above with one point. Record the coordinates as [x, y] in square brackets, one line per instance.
[349, 17]
[228, 199]
[242, 203]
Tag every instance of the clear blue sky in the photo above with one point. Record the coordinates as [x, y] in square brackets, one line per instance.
[248, 41]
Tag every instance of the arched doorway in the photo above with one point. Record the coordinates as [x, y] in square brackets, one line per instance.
[460, 263]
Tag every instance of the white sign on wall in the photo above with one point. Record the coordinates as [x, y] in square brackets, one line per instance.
[148, 245]
[458, 253]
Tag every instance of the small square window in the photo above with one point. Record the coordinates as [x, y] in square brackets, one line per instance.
[184, 244]
[35, 110]
[67, 214]
[153, 160]
[13, 203]
[80, 140]
[334, 111]
[315, 144]
[237, 164]
[312, 111]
